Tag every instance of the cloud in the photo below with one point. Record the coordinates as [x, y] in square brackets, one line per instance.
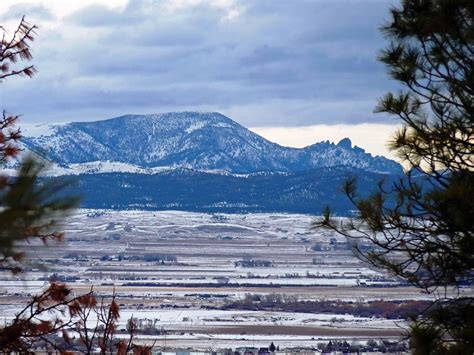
[35, 12]
[264, 63]
[97, 15]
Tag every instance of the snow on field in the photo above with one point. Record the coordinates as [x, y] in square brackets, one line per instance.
[178, 268]
[21, 286]
[185, 318]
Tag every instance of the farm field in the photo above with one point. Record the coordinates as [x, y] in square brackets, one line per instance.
[219, 281]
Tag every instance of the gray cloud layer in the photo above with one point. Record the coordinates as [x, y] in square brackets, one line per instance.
[287, 63]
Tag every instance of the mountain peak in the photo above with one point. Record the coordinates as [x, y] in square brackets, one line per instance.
[197, 140]
[345, 143]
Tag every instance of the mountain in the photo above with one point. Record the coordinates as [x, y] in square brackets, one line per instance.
[202, 141]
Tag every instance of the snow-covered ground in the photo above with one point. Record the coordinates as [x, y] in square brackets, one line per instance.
[182, 295]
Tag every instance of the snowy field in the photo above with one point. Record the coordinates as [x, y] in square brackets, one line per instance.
[176, 271]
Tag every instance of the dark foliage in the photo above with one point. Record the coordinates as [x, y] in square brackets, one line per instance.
[382, 309]
[190, 190]
[427, 236]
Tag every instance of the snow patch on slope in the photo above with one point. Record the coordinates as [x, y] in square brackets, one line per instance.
[194, 127]
[38, 130]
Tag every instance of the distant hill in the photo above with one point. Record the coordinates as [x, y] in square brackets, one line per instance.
[193, 140]
[191, 190]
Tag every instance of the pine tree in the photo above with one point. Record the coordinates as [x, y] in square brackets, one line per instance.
[33, 209]
[29, 210]
[422, 227]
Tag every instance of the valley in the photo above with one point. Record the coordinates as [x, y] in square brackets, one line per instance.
[220, 280]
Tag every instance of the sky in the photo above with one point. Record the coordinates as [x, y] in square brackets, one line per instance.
[295, 71]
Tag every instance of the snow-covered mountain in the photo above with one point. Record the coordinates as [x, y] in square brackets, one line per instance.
[204, 141]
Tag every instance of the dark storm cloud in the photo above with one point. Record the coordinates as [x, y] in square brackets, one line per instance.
[274, 63]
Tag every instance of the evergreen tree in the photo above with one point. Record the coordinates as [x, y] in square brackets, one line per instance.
[29, 210]
[422, 226]
[272, 347]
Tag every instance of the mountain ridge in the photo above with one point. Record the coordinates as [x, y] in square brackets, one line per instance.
[196, 140]
[191, 190]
